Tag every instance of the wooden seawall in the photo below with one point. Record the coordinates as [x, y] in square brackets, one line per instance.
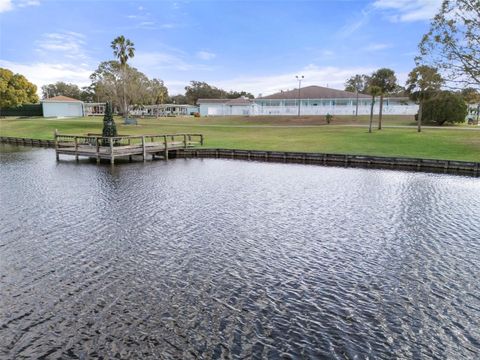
[27, 142]
[365, 161]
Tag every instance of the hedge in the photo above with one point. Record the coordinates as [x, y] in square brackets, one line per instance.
[24, 110]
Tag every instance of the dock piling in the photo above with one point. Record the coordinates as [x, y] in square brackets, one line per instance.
[97, 147]
[166, 147]
[55, 135]
[76, 148]
[112, 156]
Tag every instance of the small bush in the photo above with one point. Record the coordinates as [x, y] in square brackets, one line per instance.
[328, 118]
[445, 107]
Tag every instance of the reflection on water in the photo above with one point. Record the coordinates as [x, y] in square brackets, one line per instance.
[218, 258]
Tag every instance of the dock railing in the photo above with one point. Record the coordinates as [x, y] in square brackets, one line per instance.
[95, 145]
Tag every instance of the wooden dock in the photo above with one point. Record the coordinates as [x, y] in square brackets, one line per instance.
[111, 148]
[175, 144]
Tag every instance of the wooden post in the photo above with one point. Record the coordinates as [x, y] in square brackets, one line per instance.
[144, 149]
[97, 146]
[112, 157]
[55, 134]
[201, 139]
[166, 148]
[76, 148]
[185, 141]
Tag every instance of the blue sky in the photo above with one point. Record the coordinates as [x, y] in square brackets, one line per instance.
[257, 46]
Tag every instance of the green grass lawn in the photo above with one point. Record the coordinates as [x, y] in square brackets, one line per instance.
[237, 132]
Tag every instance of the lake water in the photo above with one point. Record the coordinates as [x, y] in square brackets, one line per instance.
[234, 259]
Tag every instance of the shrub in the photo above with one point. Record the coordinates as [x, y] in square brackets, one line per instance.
[445, 107]
[328, 118]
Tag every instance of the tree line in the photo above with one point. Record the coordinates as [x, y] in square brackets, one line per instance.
[424, 86]
[449, 57]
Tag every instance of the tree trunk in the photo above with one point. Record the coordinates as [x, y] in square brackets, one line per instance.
[371, 115]
[125, 110]
[356, 106]
[380, 113]
[419, 120]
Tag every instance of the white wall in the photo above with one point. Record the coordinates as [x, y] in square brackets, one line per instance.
[62, 109]
[226, 110]
[336, 110]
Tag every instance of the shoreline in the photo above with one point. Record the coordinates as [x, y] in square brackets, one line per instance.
[453, 167]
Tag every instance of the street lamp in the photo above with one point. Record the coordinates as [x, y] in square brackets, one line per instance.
[299, 79]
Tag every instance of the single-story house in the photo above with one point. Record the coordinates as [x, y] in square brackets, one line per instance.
[310, 100]
[62, 106]
[223, 107]
[163, 110]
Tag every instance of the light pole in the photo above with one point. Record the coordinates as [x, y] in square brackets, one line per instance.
[299, 79]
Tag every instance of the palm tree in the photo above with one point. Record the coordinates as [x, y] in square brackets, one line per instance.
[123, 49]
[374, 91]
[423, 82]
[386, 80]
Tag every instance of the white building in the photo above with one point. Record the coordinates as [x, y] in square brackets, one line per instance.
[62, 106]
[163, 110]
[225, 107]
[314, 100]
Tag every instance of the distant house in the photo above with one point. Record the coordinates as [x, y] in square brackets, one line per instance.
[312, 100]
[163, 110]
[223, 107]
[62, 106]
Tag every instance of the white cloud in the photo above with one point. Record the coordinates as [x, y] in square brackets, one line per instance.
[147, 24]
[151, 62]
[354, 24]
[28, 3]
[205, 55]
[408, 10]
[323, 76]
[69, 44]
[61, 56]
[377, 47]
[5, 5]
[168, 26]
[42, 73]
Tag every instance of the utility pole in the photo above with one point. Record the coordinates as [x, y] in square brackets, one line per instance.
[299, 79]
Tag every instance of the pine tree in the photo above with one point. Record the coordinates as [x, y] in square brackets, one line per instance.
[109, 127]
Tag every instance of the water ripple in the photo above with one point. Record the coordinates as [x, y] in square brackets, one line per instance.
[230, 259]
